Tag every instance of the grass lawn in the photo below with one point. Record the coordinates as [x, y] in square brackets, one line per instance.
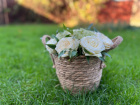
[27, 76]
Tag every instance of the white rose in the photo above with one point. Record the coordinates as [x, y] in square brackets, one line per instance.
[67, 43]
[107, 42]
[51, 41]
[61, 35]
[92, 44]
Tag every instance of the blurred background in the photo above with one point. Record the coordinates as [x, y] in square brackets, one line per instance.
[70, 12]
[26, 73]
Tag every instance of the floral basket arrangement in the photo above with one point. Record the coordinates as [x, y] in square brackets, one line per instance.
[78, 56]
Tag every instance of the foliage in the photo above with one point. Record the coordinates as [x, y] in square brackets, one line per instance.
[72, 49]
[70, 12]
[61, 53]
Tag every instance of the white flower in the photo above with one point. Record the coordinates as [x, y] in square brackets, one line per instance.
[51, 41]
[80, 33]
[107, 42]
[61, 35]
[67, 43]
[93, 45]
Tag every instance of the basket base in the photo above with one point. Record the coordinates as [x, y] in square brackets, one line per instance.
[77, 86]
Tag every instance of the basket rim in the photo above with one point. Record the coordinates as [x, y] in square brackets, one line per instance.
[77, 57]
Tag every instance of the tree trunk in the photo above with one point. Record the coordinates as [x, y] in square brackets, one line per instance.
[4, 19]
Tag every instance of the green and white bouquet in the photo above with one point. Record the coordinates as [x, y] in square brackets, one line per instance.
[76, 42]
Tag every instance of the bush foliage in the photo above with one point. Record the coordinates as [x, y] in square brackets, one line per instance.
[69, 12]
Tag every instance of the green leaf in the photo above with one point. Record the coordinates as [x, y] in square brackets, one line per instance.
[53, 36]
[69, 54]
[71, 31]
[102, 59]
[51, 46]
[68, 35]
[72, 53]
[106, 54]
[95, 29]
[86, 51]
[61, 53]
[89, 27]
[57, 31]
[88, 58]
[67, 29]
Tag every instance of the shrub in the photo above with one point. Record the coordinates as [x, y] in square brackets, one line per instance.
[69, 12]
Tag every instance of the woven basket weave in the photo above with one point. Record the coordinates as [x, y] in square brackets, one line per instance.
[77, 75]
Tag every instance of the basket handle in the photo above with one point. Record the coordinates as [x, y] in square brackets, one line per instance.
[116, 41]
[44, 43]
[44, 39]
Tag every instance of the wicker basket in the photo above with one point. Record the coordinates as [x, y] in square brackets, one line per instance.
[77, 75]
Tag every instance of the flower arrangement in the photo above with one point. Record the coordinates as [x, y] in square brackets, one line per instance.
[75, 42]
[81, 44]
